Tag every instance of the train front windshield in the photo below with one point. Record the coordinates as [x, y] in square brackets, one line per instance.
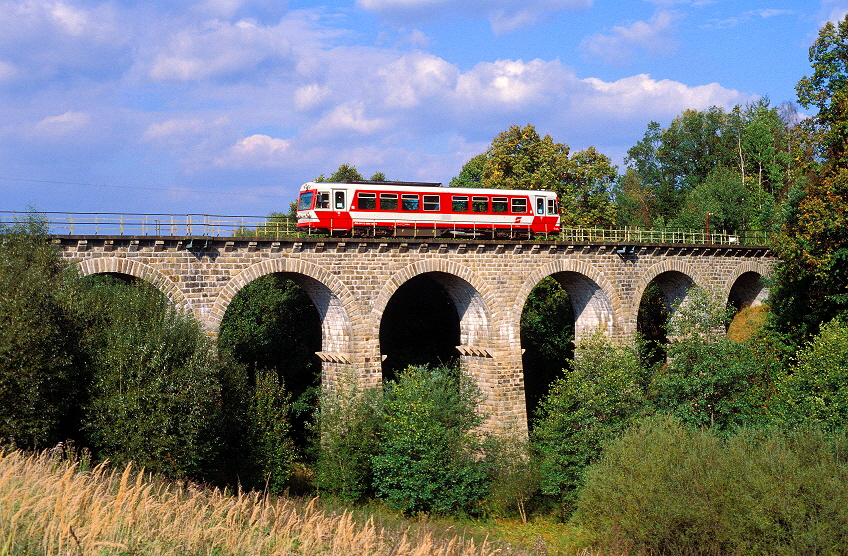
[305, 202]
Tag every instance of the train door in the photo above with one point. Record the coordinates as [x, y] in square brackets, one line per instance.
[341, 222]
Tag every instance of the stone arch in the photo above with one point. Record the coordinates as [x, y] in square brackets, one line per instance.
[335, 304]
[680, 277]
[745, 286]
[470, 294]
[136, 269]
[593, 298]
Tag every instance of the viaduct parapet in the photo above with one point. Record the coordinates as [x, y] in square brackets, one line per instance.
[351, 282]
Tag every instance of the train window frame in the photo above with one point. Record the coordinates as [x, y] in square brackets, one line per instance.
[305, 201]
[460, 201]
[410, 202]
[553, 209]
[389, 201]
[322, 201]
[366, 201]
[339, 199]
[500, 205]
[517, 202]
[479, 204]
[432, 203]
[540, 206]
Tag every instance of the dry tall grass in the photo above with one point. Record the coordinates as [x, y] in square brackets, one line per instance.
[48, 506]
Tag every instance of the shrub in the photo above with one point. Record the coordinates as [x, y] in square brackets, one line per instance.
[598, 397]
[271, 446]
[710, 380]
[513, 470]
[42, 367]
[669, 489]
[816, 388]
[428, 457]
[155, 396]
[348, 420]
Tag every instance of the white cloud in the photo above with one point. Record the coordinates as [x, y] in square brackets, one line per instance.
[749, 15]
[503, 15]
[310, 96]
[256, 151]
[415, 77]
[7, 71]
[349, 117]
[218, 49]
[54, 127]
[620, 45]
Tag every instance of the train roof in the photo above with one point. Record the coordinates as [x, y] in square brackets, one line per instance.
[423, 186]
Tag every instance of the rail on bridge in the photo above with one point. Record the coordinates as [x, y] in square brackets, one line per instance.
[282, 226]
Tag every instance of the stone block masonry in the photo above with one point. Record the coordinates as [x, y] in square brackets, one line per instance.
[351, 281]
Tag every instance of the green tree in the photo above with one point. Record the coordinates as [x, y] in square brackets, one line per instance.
[810, 282]
[43, 377]
[708, 379]
[827, 91]
[519, 158]
[428, 453]
[815, 390]
[601, 394]
[722, 195]
[471, 174]
[156, 396]
[378, 176]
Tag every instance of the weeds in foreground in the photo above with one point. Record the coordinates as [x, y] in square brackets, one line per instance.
[49, 506]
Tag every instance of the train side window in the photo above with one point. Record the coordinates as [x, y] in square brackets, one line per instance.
[409, 202]
[459, 203]
[339, 200]
[366, 201]
[323, 201]
[480, 204]
[431, 202]
[552, 207]
[499, 204]
[540, 206]
[519, 205]
[388, 201]
[305, 202]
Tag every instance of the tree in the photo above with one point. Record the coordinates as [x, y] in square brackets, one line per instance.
[42, 364]
[155, 397]
[428, 454]
[722, 196]
[810, 282]
[827, 90]
[519, 158]
[601, 394]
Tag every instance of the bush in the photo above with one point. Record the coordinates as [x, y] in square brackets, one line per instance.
[816, 388]
[513, 470]
[271, 446]
[42, 366]
[348, 420]
[599, 396]
[710, 380]
[156, 395]
[669, 489]
[428, 458]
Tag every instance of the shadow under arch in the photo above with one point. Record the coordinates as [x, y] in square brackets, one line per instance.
[594, 300]
[468, 294]
[674, 279]
[331, 298]
[744, 287]
[136, 269]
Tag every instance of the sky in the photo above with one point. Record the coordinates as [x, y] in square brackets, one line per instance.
[227, 106]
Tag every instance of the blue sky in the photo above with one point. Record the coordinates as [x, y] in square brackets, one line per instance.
[228, 106]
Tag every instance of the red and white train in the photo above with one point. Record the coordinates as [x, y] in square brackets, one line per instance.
[408, 209]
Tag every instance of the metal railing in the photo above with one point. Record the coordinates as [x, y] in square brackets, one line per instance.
[211, 225]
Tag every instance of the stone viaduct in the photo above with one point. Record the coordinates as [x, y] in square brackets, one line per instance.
[351, 281]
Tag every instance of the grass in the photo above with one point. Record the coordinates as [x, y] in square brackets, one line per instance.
[746, 322]
[49, 505]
